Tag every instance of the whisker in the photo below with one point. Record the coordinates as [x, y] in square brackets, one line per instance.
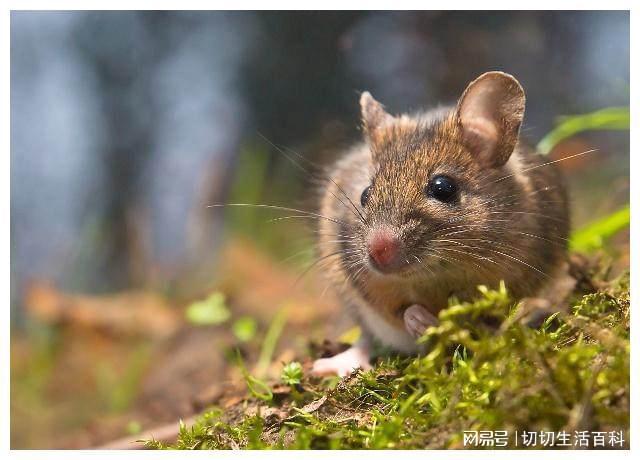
[545, 164]
[520, 261]
[357, 212]
[314, 264]
[279, 208]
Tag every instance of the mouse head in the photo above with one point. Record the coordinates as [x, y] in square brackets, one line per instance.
[433, 187]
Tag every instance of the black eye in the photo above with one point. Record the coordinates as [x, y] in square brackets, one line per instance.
[442, 188]
[365, 196]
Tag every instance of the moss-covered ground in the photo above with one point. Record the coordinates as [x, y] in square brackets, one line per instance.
[568, 376]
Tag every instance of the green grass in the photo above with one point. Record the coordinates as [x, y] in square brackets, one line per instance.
[609, 118]
[570, 374]
[594, 235]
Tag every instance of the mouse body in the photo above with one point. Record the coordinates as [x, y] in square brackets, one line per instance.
[430, 206]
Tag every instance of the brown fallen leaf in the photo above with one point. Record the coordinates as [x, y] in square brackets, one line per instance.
[314, 405]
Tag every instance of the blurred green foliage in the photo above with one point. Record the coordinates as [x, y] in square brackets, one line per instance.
[257, 181]
[213, 310]
[119, 386]
[244, 328]
[271, 340]
[134, 427]
[610, 118]
[248, 187]
[593, 236]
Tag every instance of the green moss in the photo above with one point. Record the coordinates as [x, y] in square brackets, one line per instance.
[570, 374]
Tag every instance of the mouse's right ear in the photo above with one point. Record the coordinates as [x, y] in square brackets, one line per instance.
[489, 115]
[374, 116]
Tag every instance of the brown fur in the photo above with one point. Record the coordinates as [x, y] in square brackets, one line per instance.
[510, 224]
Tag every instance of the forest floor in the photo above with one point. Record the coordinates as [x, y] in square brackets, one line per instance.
[88, 369]
[122, 370]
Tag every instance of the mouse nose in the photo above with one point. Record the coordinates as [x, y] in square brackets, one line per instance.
[384, 248]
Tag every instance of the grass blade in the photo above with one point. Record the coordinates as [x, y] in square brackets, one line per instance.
[610, 118]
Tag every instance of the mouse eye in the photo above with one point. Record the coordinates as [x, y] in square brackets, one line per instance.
[442, 188]
[365, 196]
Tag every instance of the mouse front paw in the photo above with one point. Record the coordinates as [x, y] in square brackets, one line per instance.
[417, 319]
[343, 363]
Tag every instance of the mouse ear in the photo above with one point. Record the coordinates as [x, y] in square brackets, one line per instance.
[489, 114]
[373, 113]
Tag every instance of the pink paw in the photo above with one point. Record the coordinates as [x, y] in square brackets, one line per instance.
[343, 363]
[417, 319]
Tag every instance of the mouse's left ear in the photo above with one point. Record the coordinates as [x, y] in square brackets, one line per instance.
[489, 115]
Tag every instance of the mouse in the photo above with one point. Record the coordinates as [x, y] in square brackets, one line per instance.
[432, 204]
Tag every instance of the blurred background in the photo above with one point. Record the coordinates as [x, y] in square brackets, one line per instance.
[129, 295]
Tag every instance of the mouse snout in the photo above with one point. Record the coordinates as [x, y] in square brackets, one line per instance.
[384, 249]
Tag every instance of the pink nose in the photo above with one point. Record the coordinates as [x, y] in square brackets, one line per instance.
[384, 248]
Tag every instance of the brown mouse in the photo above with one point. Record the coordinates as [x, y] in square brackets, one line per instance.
[432, 205]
